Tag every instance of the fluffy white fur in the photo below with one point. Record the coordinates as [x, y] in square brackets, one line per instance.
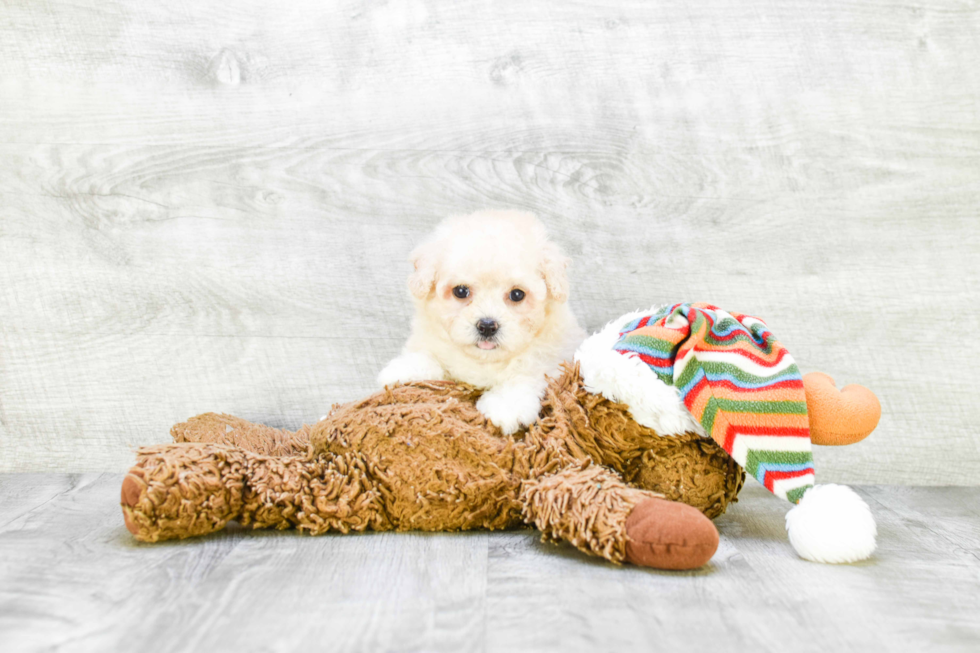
[491, 253]
[832, 524]
[629, 380]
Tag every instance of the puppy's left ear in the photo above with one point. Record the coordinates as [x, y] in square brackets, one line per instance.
[553, 264]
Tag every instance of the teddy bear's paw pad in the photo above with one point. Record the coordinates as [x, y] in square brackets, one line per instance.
[669, 535]
[132, 490]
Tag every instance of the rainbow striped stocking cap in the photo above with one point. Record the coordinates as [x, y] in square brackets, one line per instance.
[697, 368]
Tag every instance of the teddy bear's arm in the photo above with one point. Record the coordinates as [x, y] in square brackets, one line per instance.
[218, 428]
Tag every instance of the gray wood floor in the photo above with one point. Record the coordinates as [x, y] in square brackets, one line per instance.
[72, 579]
[209, 207]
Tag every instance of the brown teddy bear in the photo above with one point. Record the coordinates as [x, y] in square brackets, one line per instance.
[422, 457]
[620, 464]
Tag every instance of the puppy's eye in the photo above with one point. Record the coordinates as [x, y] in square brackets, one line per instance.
[461, 292]
[516, 295]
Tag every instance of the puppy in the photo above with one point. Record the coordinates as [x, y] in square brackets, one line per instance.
[490, 294]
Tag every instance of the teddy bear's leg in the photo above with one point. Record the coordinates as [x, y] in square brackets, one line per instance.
[227, 429]
[593, 509]
[183, 490]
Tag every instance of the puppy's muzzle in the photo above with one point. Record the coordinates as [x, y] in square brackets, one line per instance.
[487, 327]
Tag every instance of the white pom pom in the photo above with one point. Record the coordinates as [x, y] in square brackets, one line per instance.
[832, 524]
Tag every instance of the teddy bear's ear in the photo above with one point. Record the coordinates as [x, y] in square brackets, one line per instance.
[423, 276]
[553, 264]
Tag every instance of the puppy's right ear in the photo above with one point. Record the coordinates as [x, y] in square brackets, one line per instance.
[423, 276]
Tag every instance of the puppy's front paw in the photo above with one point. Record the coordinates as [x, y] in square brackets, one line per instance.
[413, 366]
[512, 406]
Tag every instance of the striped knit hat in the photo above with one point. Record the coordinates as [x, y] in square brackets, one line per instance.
[695, 367]
[738, 382]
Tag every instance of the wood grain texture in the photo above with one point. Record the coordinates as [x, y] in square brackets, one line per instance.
[72, 578]
[207, 208]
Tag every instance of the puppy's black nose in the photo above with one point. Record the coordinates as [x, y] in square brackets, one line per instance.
[487, 327]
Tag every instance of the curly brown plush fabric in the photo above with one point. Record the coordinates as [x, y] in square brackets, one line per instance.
[422, 457]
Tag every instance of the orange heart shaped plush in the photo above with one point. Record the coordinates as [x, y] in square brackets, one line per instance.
[839, 417]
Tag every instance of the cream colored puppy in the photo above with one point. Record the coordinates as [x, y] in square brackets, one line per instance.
[490, 295]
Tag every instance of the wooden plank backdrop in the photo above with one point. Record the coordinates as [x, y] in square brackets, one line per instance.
[208, 205]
